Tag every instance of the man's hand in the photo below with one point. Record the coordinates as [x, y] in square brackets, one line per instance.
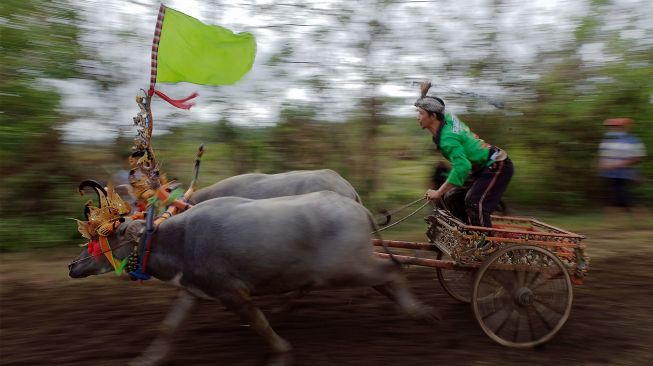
[424, 87]
[432, 195]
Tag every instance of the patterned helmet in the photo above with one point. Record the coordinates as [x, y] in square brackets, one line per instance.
[430, 104]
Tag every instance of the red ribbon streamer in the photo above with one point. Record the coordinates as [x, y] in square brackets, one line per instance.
[179, 103]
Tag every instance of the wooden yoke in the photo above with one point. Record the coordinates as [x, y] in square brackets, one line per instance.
[179, 205]
[175, 207]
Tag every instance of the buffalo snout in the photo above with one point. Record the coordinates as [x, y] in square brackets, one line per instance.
[83, 266]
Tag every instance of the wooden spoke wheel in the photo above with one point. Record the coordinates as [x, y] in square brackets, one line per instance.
[456, 283]
[522, 296]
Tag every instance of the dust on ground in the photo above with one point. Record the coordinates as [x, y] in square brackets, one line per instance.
[47, 318]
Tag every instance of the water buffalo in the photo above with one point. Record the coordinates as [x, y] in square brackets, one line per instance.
[231, 248]
[259, 185]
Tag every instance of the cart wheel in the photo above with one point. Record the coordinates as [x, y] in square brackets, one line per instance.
[458, 284]
[522, 296]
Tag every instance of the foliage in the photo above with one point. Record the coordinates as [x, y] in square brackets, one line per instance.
[551, 128]
[38, 40]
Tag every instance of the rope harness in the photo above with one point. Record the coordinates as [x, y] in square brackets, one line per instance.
[390, 213]
[389, 217]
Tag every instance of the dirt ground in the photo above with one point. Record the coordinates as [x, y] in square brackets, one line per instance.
[47, 318]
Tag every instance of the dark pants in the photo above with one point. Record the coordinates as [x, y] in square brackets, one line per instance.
[454, 201]
[474, 203]
[619, 193]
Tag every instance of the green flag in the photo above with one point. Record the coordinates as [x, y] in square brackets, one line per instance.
[192, 51]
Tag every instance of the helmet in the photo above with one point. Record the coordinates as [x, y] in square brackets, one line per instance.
[618, 122]
[430, 104]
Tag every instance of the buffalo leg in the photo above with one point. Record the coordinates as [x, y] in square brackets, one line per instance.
[395, 289]
[160, 348]
[241, 304]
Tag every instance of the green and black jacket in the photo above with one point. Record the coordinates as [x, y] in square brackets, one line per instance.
[462, 148]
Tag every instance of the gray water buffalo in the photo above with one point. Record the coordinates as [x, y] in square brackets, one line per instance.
[229, 249]
[259, 185]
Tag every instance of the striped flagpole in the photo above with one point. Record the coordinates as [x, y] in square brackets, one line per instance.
[155, 48]
[179, 103]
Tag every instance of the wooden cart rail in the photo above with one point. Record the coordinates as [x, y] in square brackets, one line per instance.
[451, 265]
[534, 223]
[445, 264]
[499, 234]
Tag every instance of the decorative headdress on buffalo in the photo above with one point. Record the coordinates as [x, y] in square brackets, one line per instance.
[101, 220]
[144, 178]
[184, 46]
[149, 188]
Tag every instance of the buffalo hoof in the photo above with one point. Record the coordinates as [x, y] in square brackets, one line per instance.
[425, 313]
[284, 308]
[144, 360]
[155, 355]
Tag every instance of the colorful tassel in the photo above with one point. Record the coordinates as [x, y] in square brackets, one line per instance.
[179, 103]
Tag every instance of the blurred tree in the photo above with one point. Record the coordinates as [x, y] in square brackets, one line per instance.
[561, 128]
[329, 69]
[371, 103]
[299, 141]
[243, 146]
[38, 39]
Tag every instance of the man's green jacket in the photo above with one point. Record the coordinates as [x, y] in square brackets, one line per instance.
[462, 148]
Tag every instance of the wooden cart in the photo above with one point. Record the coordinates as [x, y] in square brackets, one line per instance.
[517, 275]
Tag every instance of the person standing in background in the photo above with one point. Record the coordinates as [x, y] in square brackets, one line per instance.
[620, 152]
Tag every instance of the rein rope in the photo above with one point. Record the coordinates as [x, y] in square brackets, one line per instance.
[388, 214]
[401, 208]
[407, 216]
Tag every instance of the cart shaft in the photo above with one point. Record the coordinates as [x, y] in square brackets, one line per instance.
[406, 244]
[425, 262]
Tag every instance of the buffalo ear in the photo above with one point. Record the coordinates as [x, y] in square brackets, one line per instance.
[125, 190]
[135, 229]
[84, 228]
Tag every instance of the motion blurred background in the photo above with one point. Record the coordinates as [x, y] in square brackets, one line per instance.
[332, 87]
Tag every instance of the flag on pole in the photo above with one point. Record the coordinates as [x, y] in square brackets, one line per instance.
[185, 49]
